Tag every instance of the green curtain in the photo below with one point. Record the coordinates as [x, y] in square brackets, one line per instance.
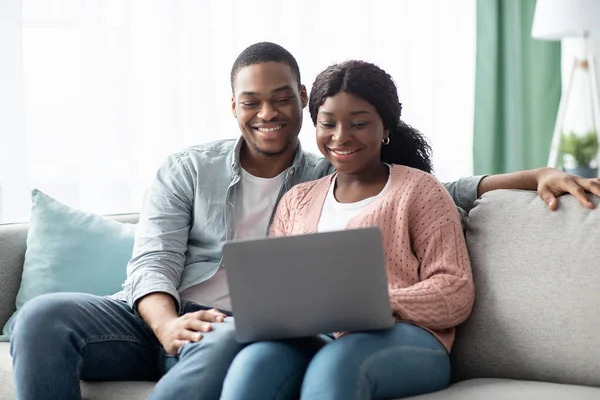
[517, 89]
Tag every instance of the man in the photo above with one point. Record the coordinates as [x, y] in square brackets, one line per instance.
[201, 196]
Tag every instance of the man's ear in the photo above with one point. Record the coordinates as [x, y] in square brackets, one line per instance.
[233, 104]
[303, 96]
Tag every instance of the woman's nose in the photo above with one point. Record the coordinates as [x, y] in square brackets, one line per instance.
[341, 134]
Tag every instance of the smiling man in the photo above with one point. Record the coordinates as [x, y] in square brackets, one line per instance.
[171, 320]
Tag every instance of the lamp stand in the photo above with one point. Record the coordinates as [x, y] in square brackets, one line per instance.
[588, 64]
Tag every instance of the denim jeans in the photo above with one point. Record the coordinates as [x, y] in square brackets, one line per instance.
[61, 338]
[403, 361]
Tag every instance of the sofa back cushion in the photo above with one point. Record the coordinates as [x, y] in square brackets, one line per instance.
[537, 281]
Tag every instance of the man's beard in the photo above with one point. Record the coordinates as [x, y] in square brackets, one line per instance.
[270, 153]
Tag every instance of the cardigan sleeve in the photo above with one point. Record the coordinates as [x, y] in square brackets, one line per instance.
[443, 298]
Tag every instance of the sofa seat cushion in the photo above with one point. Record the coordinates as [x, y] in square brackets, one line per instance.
[116, 390]
[503, 389]
[489, 389]
[6, 377]
[89, 390]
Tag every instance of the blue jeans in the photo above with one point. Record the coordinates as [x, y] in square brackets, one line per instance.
[61, 338]
[403, 361]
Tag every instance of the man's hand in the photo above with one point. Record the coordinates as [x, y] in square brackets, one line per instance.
[176, 332]
[552, 183]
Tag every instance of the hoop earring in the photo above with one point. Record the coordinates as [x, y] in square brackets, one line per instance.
[386, 141]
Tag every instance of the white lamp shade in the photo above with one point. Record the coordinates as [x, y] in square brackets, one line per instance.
[558, 19]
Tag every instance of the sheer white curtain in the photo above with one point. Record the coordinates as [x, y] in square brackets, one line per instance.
[94, 94]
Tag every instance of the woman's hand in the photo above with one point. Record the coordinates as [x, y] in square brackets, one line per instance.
[552, 183]
[176, 332]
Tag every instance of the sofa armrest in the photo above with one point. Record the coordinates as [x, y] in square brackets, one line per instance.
[13, 239]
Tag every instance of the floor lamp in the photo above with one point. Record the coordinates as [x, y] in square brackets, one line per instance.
[557, 20]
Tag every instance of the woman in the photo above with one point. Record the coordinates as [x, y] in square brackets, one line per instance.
[383, 179]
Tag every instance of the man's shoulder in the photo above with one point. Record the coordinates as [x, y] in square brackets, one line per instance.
[216, 154]
[316, 166]
[211, 149]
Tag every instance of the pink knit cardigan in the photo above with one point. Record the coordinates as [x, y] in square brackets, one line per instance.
[429, 274]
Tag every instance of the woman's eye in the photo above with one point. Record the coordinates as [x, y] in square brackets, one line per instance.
[359, 124]
[326, 125]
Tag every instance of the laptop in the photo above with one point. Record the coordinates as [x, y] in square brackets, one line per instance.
[298, 286]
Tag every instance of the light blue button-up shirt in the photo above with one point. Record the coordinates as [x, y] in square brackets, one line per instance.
[189, 209]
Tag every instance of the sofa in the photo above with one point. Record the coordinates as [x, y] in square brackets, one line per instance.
[533, 333]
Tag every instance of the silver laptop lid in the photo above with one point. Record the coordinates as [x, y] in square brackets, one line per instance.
[298, 286]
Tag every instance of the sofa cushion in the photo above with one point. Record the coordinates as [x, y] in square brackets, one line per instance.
[7, 391]
[12, 254]
[504, 389]
[72, 251]
[116, 390]
[537, 274]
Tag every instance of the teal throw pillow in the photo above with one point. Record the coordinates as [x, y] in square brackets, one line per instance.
[71, 251]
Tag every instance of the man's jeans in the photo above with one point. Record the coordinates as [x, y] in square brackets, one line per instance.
[61, 338]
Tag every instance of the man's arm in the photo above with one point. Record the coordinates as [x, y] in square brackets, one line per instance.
[464, 191]
[157, 309]
[549, 183]
[161, 241]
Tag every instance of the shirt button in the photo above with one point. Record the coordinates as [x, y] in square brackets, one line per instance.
[292, 171]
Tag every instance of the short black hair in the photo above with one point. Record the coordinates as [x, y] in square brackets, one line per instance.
[261, 53]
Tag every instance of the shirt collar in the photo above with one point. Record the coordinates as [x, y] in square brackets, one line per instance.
[235, 160]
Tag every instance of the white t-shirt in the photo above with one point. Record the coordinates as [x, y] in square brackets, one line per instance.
[254, 204]
[335, 215]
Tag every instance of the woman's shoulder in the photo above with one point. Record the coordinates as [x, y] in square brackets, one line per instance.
[303, 190]
[404, 177]
[425, 200]
[419, 188]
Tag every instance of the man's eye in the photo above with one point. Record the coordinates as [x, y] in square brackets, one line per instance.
[283, 101]
[249, 104]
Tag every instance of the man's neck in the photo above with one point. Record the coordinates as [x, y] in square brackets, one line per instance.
[266, 166]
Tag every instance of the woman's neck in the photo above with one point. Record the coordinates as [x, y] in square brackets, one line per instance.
[351, 188]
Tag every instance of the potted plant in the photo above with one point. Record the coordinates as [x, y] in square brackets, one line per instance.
[579, 153]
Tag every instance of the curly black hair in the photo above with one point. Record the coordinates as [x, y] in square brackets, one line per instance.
[261, 53]
[407, 145]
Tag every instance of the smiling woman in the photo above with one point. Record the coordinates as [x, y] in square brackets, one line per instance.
[355, 107]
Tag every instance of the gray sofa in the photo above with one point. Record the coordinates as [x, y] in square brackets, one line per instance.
[533, 333]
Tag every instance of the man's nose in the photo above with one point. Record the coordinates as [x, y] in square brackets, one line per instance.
[267, 112]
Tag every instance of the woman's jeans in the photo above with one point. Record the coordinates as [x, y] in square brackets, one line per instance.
[403, 361]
